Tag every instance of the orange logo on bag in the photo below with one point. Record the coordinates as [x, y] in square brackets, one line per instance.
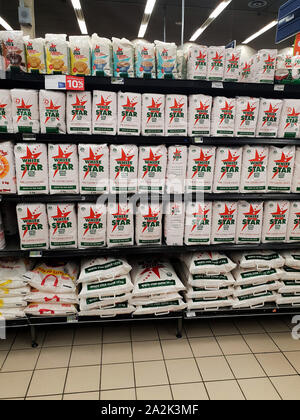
[4, 166]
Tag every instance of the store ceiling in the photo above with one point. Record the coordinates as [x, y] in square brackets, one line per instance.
[123, 17]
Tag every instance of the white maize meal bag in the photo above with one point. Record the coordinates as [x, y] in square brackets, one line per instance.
[13, 302]
[232, 64]
[289, 124]
[25, 111]
[6, 125]
[289, 287]
[292, 258]
[254, 301]
[199, 292]
[101, 52]
[106, 302]
[249, 222]
[93, 168]
[176, 169]
[200, 168]
[160, 308]
[265, 66]
[296, 67]
[129, 113]
[7, 168]
[252, 276]
[283, 69]
[35, 55]
[176, 115]
[11, 275]
[152, 169]
[246, 71]
[216, 63]
[123, 168]
[48, 309]
[52, 111]
[122, 308]
[258, 260]
[228, 169]
[62, 220]
[288, 299]
[79, 112]
[197, 62]
[12, 313]
[268, 117]
[174, 213]
[293, 227]
[37, 296]
[153, 114]
[123, 57]
[223, 117]
[162, 297]
[296, 174]
[199, 115]
[281, 168]
[20, 291]
[275, 221]
[63, 169]
[246, 116]
[254, 169]
[50, 279]
[256, 290]
[145, 65]
[102, 268]
[198, 221]
[33, 226]
[166, 60]
[31, 168]
[91, 225]
[207, 263]
[120, 225]
[224, 221]
[289, 273]
[148, 229]
[104, 112]
[80, 55]
[106, 288]
[57, 54]
[209, 304]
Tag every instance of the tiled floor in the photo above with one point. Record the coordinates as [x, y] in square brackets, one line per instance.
[241, 359]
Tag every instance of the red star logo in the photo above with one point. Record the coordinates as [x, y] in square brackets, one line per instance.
[129, 106]
[227, 110]
[176, 108]
[92, 160]
[92, 219]
[292, 114]
[153, 108]
[176, 154]
[248, 111]
[283, 162]
[298, 221]
[30, 156]
[52, 107]
[230, 161]
[78, 105]
[269, 62]
[227, 215]
[23, 106]
[250, 215]
[124, 161]
[202, 161]
[62, 215]
[201, 214]
[122, 214]
[216, 60]
[152, 160]
[278, 215]
[3, 106]
[149, 217]
[153, 269]
[234, 60]
[271, 112]
[256, 162]
[200, 58]
[30, 219]
[52, 46]
[103, 105]
[202, 109]
[62, 158]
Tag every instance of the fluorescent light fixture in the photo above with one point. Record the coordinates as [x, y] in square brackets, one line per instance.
[146, 17]
[218, 10]
[80, 17]
[260, 32]
[5, 24]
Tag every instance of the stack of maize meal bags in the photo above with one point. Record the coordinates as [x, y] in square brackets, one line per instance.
[208, 280]
[156, 288]
[53, 289]
[256, 277]
[289, 291]
[105, 287]
[13, 288]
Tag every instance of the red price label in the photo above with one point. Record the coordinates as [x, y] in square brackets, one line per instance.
[74, 83]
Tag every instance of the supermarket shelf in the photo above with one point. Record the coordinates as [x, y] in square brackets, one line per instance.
[17, 323]
[32, 81]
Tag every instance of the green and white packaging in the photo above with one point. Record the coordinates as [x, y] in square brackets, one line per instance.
[200, 168]
[93, 168]
[33, 226]
[296, 175]
[253, 301]
[228, 169]
[91, 225]
[62, 220]
[246, 276]
[249, 222]
[293, 227]
[281, 168]
[120, 227]
[199, 115]
[207, 262]
[79, 112]
[148, 228]
[254, 169]
[176, 115]
[63, 169]
[209, 304]
[246, 116]
[104, 112]
[102, 268]
[292, 258]
[198, 223]
[152, 169]
[123, 167]
[258, 259]
[153, 114]
[275, 221]
[129, 113]
[107, 287]
[224, 222]
[256, 290]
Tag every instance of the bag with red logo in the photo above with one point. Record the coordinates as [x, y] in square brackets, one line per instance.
[223, 117]
[281, 168]
[268, 117]
[63, 168]
[93, 168]
[48, 309]
[265, 66]
[91, 225]
[293, 229]
[216, 63]
[33, 226]
[199, 115]
[123, 168]
[129, 113]
[254, 169]
[176, 169]
[176, 115]
[104, 112]
[52, 111]
[153, 114]
[79, 112]
[174, 223]
[6, 125]
[289, 124]
[7, 168]
[228, 169]
[249, 222]
[37, 296]
[62, 220]
[197, 62]
[246, 116]
[149, 224]
[152, 169]
[25, 110]
[120, 225]
[200, 168]
[232, 64]
[12, 50]
[275, 221]
[198, 223]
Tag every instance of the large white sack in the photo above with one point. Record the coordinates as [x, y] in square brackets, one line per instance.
[254, 169]
[33, 226]
[198, 221]
[249, 222]
[160, 308]
[120, 225]
[252, 276]
[102, 268]
[107, 288]
[123, 308]
[254, 302]
[258, 259]
[48, 309]
[7, 168]
[275, 221]
[62, 225]
[207, 262]
[38, 296]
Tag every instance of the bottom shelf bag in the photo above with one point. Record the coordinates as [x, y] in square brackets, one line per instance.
[209, 304]
[108, 312]
[288, 299]
[160, 308]
[253, 302]
[102, 302]
[12, 313]
[49, 309]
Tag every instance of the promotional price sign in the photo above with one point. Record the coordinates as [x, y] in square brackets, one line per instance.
[74, 83]
[63, 82]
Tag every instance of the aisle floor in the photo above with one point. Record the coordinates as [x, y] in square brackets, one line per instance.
[244, 359]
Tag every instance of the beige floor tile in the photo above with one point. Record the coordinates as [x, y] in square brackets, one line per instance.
[159, 393]
[287, 386]
[46, 397]
[167, 330]
[116, 334]
[198, 329]
[47, 382]
[59, 337]
[214, 368]
[205, 346]
[249, 326]
[224, 390]
[144, 332]
[258, 389]
[245, 366]
[285, 341]
[18, 360]
[195, 391]
[118, 394]
[275, 364]
[220, 327]
[233, 344]
[183, 371]
[260, 343]
[3, 355]
[294, 359]
[146, 350]
[83, 379]
[88, 335]
[176, 349]
[54, 357]
[116, 353]
[150, 373]
[23, 340]
[274, 325]
[86, 355]
[14, 384]
[82, 396]
[117, 376]
[7, 343]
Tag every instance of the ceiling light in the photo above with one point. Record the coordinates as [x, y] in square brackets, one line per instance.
[5, 24]
[80, 17]
[146, 17]
[218, 10]
[76, 4]
[261, 31]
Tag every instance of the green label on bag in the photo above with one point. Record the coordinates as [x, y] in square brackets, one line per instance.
[160, 283]
[261, 257]
[105, 284]
[249, 274]
[220, 261]
[106, 266]
[161, 304]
